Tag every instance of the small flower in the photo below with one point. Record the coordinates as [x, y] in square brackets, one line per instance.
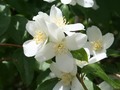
[57, 18]
[84, 3]
[97, 43]
[68, 81]
[40, 36]
[60, 47]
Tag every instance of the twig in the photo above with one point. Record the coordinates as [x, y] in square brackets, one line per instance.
[12, 45]
[81, 81]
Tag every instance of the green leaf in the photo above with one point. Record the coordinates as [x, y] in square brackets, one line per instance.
[17, 29]
[4, 19]
[113, 53]
[25, 66]
[96, 70]
[48, 84]
[80, 54]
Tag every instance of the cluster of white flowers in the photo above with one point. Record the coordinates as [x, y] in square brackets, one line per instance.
[54, 37]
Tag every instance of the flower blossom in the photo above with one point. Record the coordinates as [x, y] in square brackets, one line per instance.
[60, 46]
[39, 32]
[97, 43]
[84, 3]
[57, 18]
[68, 81]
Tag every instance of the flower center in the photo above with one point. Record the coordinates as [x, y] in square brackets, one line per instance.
[67, 78]
[60, 48]
[97, 45]
[39, 37]
[60, 21]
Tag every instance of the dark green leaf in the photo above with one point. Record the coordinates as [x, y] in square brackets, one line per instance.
[80, 54]
[48, 84]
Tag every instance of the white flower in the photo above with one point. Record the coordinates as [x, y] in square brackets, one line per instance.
[68, 81]
[57, 18]
[60, 47]
[38, 30]
[91, 60]
[84, 3]
[97, 43]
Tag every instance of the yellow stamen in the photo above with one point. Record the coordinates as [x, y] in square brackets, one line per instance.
[60, 48]
[97, 45]
[40, 37]
[67, 78]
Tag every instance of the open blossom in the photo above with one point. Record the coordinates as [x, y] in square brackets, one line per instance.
[57, 18]
[84, 3]
[91, 60]
[97, 43]
[68, 81]
[40, 36]
[60, 47]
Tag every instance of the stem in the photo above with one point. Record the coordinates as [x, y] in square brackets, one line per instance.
[13, 45]
[81, 81]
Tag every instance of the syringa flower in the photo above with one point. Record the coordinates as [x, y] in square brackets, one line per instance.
[57, 18]
[84, 3]
[39, 32]
[68, 81]
[60, 47]
[97, 43]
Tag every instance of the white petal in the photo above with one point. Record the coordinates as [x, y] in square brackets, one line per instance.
[60, 86]
[66, 1]
[45, 53]
[76, 41]
[94, 33]
[105, 86]
[49, 1]
[108, 40]
[95, 6]
[86, 3]
[76, 85]
[55, 70]
[31, 27]
[89, 47]
[30, 48]
[74, 71]
[97, 58]
[55, 12]
[73, 2]
[55, 33]
[74, 27]
[81, 64]
[65, 62]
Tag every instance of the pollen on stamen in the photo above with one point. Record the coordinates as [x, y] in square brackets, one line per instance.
[39, 37]
[67, 78]
[60, 48]
[60, 21]
[97, 45]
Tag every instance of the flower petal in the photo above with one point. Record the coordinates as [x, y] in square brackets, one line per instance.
[30, 48]
[55, 12]
[97, 58]
[55, 70]
[73, 2]
[76, 85]
[31, 27]
[65, 62]
[66, 1]
[94, 33]
[85, 3]
[74, 27]
[76, 41]
[108, 40]
[60, 86]
[45, 53]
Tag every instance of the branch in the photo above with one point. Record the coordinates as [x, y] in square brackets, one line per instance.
[81, 81]
[12, 45]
